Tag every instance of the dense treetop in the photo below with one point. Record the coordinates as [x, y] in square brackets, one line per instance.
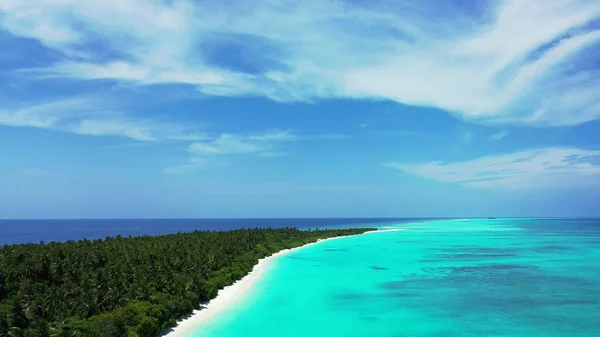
[134, 286]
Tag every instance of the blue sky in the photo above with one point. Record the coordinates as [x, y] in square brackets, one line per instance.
[314, 108]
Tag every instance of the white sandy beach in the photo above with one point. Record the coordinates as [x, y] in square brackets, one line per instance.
[235, 292]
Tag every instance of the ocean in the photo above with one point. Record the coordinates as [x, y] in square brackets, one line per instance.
[35, 231]
[444, 278]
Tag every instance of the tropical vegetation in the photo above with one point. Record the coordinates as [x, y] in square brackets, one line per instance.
[128, 286]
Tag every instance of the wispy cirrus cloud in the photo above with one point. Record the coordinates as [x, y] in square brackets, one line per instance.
[536, 168]
[94, 116]
[499, 135]
[229, 146]
[191, 164]
[511, 61]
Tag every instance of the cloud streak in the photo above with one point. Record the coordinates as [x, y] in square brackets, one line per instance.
[536, 168]
[230, 146]
[525, 62]
[499, 135]
[94, 116]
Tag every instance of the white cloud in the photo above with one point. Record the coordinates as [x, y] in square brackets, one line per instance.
[275, 136]
[499, 135]
[546, 167]
[517, 62]
[90, 115]
[190, 165]
[227, 145]
[232, 144]
[44, 115]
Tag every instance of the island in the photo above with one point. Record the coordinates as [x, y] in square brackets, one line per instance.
[130, 286]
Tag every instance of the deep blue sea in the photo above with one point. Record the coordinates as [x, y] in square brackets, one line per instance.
[34, 231]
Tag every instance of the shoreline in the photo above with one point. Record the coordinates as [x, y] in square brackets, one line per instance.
[235, 292]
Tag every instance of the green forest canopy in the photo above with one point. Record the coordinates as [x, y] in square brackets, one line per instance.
[129, 286]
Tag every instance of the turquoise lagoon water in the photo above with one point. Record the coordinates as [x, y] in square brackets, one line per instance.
[517, 277]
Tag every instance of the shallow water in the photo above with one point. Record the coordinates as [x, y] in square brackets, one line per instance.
[517, 277]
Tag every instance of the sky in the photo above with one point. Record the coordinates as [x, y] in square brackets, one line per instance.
[312, 108]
